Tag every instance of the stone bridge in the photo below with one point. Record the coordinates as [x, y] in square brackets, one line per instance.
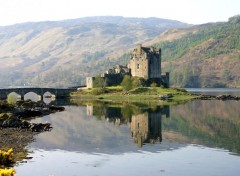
[59, 93]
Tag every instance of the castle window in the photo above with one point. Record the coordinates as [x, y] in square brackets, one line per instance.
[138, 66]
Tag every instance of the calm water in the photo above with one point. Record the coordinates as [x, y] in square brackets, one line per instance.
[215, 91]
[196, 138]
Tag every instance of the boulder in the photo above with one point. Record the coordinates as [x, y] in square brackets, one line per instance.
[12, 122]
[41, 127]
[56, 108]
[165, 97]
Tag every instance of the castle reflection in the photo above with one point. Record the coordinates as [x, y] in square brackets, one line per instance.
[145, 123]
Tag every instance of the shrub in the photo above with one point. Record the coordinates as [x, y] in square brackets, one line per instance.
[136, 82]
[6, 158]
[153, 84]
[7, 172]
[126, 83]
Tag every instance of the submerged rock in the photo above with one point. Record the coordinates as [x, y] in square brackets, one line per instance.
[219, 97]
[227, 97]
[41, 127]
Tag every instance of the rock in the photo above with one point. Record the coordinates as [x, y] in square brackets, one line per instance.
[206, 97]
[30, 113]
[227, 97]
[25, 125]
[56, 108]
[219, 97]
[12, 122]
[40, 127]
[165, 97]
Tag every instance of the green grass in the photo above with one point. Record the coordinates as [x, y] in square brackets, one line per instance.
[140, 94]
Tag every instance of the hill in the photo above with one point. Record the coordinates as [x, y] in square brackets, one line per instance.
[203, 56]
[63, 53]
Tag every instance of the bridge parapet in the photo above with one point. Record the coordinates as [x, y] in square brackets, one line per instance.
[59, 93]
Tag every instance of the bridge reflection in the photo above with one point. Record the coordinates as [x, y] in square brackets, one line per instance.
[145, 124]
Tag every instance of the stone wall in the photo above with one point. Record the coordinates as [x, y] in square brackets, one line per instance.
[166, 79]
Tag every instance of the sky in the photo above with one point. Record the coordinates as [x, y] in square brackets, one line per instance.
[189, 11]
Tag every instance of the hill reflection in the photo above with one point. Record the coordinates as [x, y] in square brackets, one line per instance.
[115, 128]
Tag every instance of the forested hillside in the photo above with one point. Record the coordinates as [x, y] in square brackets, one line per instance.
[205, 56]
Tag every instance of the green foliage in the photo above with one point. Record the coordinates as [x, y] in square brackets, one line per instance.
[235, 19]
[126, 83]
[129, 83]
[99, 82]
[4, 116]
[140, 90]
[227, 32]
[136, 82]
[99, 91]
[212, 41]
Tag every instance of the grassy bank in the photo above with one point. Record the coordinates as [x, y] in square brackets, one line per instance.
[140, 94]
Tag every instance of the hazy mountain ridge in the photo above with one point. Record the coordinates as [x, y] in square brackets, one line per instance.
[57, 53]
[63, 53]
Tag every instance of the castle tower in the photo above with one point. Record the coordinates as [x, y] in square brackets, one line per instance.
[145, 62]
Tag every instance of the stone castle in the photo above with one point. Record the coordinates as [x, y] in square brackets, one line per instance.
[145, 62]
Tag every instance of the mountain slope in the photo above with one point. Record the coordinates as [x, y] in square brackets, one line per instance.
[203, 56]
[63, 53]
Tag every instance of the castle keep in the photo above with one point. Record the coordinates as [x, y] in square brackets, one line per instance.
[145, 62]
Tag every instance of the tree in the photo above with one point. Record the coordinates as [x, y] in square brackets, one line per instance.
[126, 83]
[136, 82]
[99, 82]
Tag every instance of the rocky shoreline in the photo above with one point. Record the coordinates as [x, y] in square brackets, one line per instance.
[16, 130]
[219, 97]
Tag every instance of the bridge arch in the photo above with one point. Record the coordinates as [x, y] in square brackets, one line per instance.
[49, 93]
[32, 96]
[12, 97]
[59, 93]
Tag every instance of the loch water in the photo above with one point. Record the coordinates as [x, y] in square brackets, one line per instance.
[200, 137]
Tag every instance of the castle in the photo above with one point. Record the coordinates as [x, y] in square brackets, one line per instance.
[145, 62]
